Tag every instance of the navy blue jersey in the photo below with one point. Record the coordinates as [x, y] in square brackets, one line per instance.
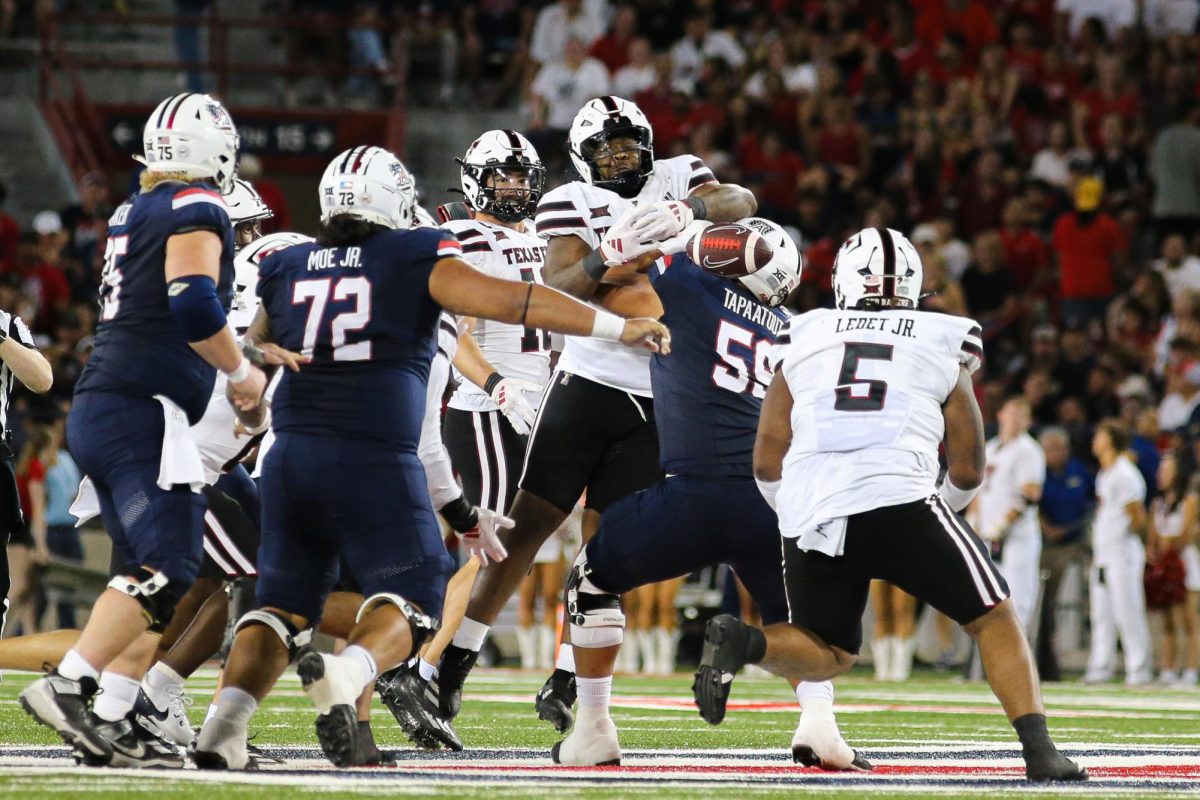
[708, 392]
[365, 316]
[139, 347]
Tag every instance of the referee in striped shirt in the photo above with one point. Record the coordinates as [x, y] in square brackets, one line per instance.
[19, 361]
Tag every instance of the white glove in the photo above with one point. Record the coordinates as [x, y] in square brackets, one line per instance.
[663, 220]
[482, 540]
[622, 243]
[509, 394]
[678, 243]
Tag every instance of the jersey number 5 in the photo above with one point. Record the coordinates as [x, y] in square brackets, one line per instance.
[317, 291]
[848, 380]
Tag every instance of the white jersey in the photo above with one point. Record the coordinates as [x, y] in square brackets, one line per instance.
[867, 390]
[579, 209]
[1010, 466]
[514, 350]
[1116, 487]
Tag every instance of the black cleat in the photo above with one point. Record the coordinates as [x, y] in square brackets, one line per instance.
[556, 699]
[457, 663]
[367, 754]
[66, 706]
[1053, 766]
[134, 745]
[413, 701]
[805, 756]
[725, 640]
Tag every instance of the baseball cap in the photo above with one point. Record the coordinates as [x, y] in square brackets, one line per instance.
[1088, 192]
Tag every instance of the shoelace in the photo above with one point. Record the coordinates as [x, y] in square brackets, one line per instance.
[178, 702]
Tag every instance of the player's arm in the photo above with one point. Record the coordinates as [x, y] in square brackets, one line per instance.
[192, 269]
[774, 437]
[470, 361]
[573, 267]
[22, 356]
[507, 393]
[965, 454]
[723, 202]
[459, 288]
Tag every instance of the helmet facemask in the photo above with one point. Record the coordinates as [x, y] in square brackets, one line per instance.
[603, 147]
[499, 192]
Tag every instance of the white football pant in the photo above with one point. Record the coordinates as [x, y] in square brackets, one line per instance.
[1020, 564]
[1118, 607]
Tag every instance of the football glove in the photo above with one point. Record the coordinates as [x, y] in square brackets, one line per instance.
[482, 540]
[623, 243]
[659, 221]
[509, 394]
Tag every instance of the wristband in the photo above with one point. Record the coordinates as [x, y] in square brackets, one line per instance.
[956, 498]
[769, 490]
[461, 515]
[593, 265]
[696, 204]
[241, 373]
[608, 326]
[492, 381]
[262, 426]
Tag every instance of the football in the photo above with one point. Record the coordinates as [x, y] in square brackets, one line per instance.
[730, 250]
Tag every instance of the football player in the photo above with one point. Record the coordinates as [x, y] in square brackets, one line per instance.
[595, 429]
[364, 303]
[847, 452]
[708, 509]
[161, 340]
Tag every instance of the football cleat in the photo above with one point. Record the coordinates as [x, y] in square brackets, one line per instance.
[136, 746]
[222, 745]
[165, 714]
[725, 640]
[333, 684]
[65, 705]
[818, 743]
[593, 743]
[1053, 766]
[456, 665]
[367, 753]
[413, 701]
[555, 700]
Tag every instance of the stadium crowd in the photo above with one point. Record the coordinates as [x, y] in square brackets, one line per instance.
[1043, 155]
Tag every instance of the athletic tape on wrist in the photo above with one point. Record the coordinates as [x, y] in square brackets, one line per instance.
[608, 326]
[241, 373]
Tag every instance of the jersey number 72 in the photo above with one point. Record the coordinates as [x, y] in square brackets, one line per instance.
[317, 291]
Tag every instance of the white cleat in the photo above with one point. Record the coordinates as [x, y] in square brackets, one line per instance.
[221, 745]
[593, 743]
[165, 714]
[819, 743]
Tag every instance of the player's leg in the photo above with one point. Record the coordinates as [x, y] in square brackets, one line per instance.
[1102, 656]
[22, 595]
[34, 653]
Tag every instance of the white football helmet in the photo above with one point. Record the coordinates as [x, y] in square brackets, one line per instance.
[245, 274]
[245, 204]
[877, 267]
[369, 183]
[600, 120]
[423, 219]
[773, 282]
[192, 133]
[501, 150]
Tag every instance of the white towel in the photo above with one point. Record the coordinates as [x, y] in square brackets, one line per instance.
[86, 504]
[181, 464]
[827, 536]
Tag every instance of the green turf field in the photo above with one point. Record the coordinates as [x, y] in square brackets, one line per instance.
[889, 722]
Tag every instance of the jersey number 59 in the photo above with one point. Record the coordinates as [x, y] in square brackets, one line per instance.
[745, 363]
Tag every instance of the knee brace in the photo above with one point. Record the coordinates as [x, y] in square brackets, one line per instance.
[595, 615]
[421, 625]
[153, 592]
[282, 627]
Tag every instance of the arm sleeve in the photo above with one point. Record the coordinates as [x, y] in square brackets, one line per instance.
[699, 175]
[970, 347]
[17, 329]
[198, 209]
[439, 476]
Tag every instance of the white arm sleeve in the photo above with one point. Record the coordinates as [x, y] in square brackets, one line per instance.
[439, 477]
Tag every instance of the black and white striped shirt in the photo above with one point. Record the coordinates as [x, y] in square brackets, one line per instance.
[15, 328]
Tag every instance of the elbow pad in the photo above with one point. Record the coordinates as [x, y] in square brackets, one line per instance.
[956, 498]
[194, 304]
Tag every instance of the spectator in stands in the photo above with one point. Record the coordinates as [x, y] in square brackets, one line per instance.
[989, 286]
[1090, 248]
[1065, 509]
[368, 55]
[982, 196]
[1025, 253]
[1052, 163]
[86, 222]
[699, 43]
[27, 561]
[495, 40]
[1116, 17]
[37, 269]
[1173, 526]
[558, 91]
[1165, 17]
[1179, 268]
[10, 233]
[189, 16]
[559, 22]
[638, 73]
[1175, 168]
[62, 537]
[250, 168]
[612, 49]
[944, 293]
[1118, 166]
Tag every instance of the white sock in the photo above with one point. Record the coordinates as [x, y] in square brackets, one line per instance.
[212, 712]
[566, 658]
[161, 677]
[75, 666]
[117, 696]
[364, 659]
[235, 705]
[594, 695]
[815, 696]
[470, 635]
[427, 671]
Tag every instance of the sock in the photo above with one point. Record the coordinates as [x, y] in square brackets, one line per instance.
[212, 711]
[364, 659]
[527, 647]
[1031, 730]
[117, 696]
[470, 635]
[566, 658]
[236, 706]
[815, 695]
[594, 695]
[756, 645]
[161, 677]
[426, 670]
[75, 666]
